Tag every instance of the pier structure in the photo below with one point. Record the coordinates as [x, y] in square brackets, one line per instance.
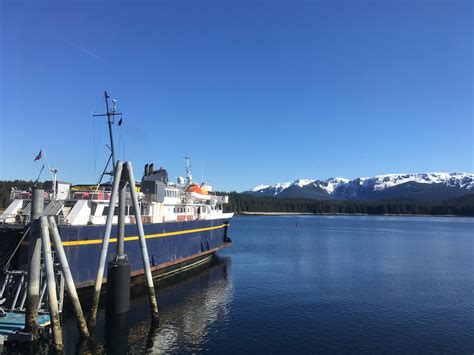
[24, 324]
[119, 297]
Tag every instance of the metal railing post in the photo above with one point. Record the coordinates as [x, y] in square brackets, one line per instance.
[105, 245]
[143, 247]
[68, 278]
[34, 259]
[52, 296]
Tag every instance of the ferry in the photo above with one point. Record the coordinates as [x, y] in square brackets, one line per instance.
[184, 222]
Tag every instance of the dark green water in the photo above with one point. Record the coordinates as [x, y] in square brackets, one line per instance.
[315, 284]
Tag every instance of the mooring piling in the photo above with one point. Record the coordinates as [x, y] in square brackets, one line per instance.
[34, 258]
[71, 288]
[143, 246]
[52, 297]
[118, 272]
[105, 245]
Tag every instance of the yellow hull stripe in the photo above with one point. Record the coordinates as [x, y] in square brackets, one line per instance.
[149, 236]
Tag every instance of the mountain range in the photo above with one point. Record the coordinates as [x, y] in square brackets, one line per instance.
[392, 186]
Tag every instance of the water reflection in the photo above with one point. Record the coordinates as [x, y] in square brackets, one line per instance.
[189, 306]
[116, 327]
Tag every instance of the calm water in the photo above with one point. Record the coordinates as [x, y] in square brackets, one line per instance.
[316, 284]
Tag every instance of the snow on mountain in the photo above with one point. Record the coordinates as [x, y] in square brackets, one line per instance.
[460, 180]
[331, 184]
[303, 182]
[380, 186]
[260, 187]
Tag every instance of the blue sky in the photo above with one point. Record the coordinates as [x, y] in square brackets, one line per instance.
[255, 91]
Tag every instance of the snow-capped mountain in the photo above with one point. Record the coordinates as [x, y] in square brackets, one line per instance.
[406, 186]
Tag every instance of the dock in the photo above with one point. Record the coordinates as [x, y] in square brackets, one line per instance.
[12, 327]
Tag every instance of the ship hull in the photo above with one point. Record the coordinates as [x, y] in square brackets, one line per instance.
[172, 246]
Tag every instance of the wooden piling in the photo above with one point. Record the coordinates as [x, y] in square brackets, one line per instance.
[143, 246]
[34, 266]
[52, 296]
[105, 245]
[71, 288]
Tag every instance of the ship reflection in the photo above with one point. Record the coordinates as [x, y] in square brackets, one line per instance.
[189, 306]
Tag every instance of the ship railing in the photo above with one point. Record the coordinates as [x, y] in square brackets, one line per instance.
[91, 195]
[25, 195]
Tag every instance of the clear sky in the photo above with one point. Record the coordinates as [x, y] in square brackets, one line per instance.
[255, 91]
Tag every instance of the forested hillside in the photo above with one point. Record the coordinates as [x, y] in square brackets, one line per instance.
[463, 206]
[6, 187]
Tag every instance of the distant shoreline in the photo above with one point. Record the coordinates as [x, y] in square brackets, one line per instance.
[340, 214]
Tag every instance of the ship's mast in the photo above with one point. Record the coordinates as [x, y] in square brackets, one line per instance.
[110, 121]
[189, 177]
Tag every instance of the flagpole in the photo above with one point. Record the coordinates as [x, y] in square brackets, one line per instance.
[53, 176]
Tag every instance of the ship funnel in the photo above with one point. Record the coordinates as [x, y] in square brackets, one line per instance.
[150, 171]
[146, 170]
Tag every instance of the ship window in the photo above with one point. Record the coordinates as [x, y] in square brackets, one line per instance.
[105, 212]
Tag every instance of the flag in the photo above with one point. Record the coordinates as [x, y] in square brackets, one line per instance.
[120, 122]
[38, 157]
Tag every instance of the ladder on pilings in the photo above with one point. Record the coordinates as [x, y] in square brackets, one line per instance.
[13, 294]
[13, 290]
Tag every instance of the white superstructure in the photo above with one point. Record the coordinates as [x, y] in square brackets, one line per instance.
[160, 201]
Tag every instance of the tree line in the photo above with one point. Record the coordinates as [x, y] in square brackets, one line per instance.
[6, 188]
[463, 206]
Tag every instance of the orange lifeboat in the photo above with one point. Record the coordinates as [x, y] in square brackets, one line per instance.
[196, 189]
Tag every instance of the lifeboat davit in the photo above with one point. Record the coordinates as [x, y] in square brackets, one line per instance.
[197, 192]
